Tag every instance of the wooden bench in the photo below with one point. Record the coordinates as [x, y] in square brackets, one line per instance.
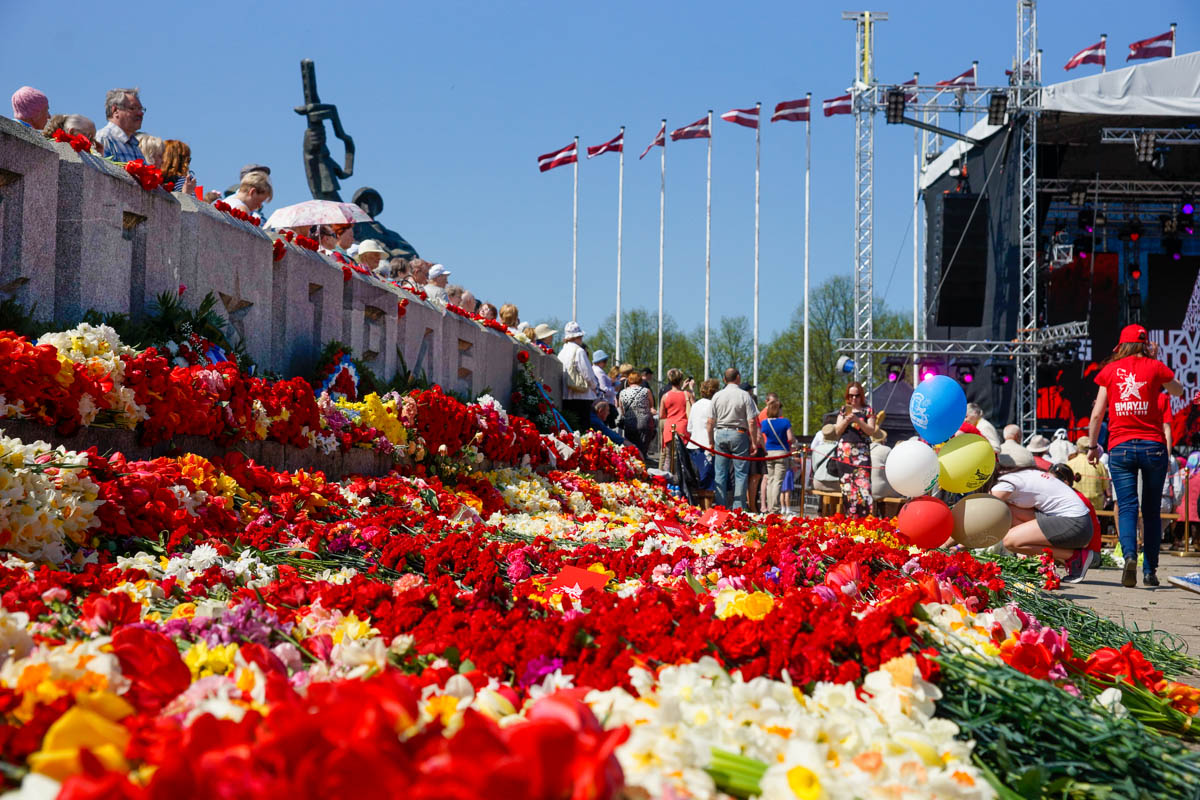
[1108, 522]
[832, 503]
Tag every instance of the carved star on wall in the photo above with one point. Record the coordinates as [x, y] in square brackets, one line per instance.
[236, 307]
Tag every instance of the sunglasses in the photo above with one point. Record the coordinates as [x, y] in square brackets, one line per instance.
[854, 394]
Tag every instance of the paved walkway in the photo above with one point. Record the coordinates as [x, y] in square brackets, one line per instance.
[1165, 608]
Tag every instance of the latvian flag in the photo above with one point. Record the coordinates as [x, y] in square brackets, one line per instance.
[838, 105]
[966, 79]
[568, 155]
[659, 141]
[1095, 54]
[697, 130]
[614, 145]
[791, 111]
[1154, 47]
[747, 117]
[910, 97]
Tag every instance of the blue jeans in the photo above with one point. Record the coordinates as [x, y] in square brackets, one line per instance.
[703, 464]
[738, 444]
[1125, 461]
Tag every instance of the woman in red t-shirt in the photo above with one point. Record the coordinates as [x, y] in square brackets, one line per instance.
[1130, 384]
[673, 409]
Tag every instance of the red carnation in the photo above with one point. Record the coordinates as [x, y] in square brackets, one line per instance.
[278, 250]
[523, 356]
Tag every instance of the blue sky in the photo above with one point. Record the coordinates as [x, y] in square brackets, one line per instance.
[449, 104]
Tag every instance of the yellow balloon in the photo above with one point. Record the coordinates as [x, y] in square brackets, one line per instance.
[980, 520]
[965, 463]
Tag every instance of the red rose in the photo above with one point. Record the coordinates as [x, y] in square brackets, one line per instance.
[523, 356]
[278, 250]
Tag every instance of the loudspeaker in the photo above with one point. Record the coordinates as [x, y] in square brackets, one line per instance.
[963, 261]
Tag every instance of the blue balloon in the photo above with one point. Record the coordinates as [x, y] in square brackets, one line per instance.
[937, 408]
[1194, 460]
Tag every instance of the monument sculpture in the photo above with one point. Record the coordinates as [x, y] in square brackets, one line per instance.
[323, 171]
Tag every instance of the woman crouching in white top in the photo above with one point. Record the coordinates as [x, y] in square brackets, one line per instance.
[1046, 515]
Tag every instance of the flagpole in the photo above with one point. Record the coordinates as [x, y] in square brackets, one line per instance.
[1104, 47]
[575, 243]
[662, 217]
[916, 319]
[620, 208]
[1172, 40]
[757, 152]
[807, 167]
[708, 245]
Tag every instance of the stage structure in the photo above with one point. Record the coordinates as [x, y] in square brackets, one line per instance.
[1061, 213]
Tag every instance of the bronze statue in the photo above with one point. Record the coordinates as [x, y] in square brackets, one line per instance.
[371, 202]
[322, 171]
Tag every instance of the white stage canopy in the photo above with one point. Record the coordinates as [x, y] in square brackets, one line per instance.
[1166, 88]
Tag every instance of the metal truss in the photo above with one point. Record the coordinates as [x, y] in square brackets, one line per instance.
[1119, 188]
[863, 92]
[1030, 345]
[1027, 80]
[1161, 135]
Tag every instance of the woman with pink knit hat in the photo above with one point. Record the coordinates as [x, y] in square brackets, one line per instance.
[31, 108]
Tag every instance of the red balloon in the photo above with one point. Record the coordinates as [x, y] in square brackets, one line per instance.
[926, 522]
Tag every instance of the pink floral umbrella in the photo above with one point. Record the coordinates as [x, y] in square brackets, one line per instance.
[317, 212]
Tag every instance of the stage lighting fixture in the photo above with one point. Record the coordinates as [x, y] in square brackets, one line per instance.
[893, 110]
[895, 367]
[1085, 220]
[930, 369]
[964, 369]
[1083, 249]
[1134, 229]
[997, 108]
[1187, 207]
[1078, 195]
[1169, 224]
[1185, 216]
[845, 364]
[1100, 219]
[1135, 272]
[1144, 145]
[1173, 247]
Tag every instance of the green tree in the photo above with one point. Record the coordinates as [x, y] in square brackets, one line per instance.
[731, 344]
[831, 307]
[639, 342]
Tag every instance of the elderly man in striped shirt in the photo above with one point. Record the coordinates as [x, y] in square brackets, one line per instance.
[124, 111]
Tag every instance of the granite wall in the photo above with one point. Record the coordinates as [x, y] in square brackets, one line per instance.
[78, 233]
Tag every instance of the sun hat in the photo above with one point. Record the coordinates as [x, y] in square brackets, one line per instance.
[572, 330]
[1132, 334]
[829, 432]
[1038, 444]
[599, 356]
[437, 271]
[1083, 444]
[371, 246]
[543, 331]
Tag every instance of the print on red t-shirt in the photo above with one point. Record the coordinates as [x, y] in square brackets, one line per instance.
[1133, 385]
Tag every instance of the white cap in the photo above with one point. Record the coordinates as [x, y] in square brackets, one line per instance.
[572, 330]
[437, 271]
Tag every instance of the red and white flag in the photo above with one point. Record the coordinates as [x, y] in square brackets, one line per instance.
[838, 105]
[1154, 47]
[613, 145]
[791, 111]
[697, 130]
[965, 79]
[747, 117]
[568, 155]
[910, 97]
[659, 141]
[1094, 54]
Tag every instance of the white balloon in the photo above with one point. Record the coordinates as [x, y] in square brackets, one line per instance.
[912, 468]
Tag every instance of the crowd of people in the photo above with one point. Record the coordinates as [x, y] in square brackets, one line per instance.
[122, 140]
